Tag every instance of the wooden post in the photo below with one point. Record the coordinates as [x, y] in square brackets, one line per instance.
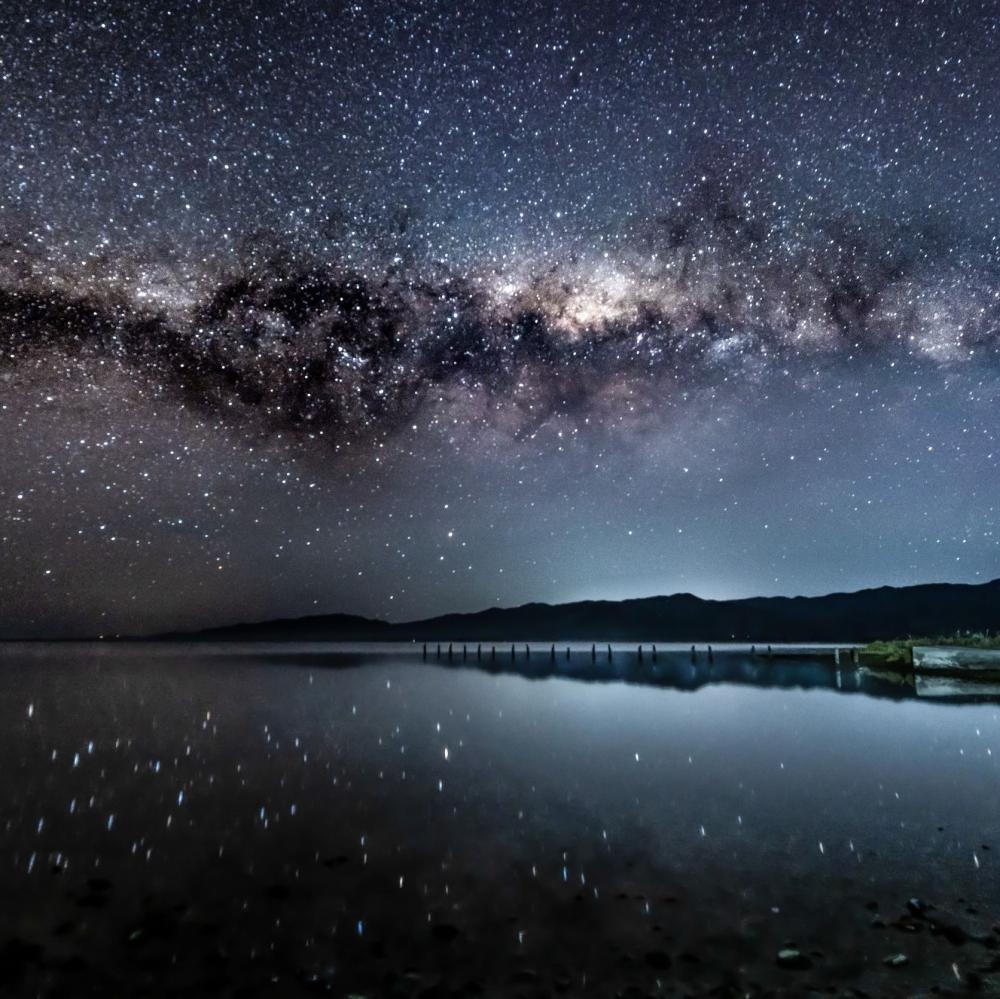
[855, 657]
[552, 653]
[654, 652]
[640, 653]
[711, 658]
[593, 653]
[753, 650]
[609, 653]
[479, 651]
[770, 653]
[465, 653]
[449, 652]
[527, 651]
[493, 654]
[836, 656]
[567, 653]
[512, 653]
[694, 654]
[439, 650]
[425, 652]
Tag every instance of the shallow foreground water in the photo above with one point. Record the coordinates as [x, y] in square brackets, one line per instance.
[297, 820]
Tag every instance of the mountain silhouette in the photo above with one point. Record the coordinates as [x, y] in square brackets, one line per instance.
[885, 612]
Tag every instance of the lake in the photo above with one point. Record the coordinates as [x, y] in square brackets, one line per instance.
[288, 820]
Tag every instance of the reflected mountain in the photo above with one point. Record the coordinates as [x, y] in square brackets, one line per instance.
[671, 670]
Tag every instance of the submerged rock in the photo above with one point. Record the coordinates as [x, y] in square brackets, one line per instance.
[896, 960]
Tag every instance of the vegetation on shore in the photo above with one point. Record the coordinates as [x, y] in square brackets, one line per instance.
[900, 650]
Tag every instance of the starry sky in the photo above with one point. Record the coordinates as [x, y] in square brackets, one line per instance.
[398, 308]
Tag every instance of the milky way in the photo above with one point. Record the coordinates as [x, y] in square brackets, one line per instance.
[480, 305]
[712, 293]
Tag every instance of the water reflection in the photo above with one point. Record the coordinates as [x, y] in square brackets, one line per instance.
[673, 669]
[235, 821]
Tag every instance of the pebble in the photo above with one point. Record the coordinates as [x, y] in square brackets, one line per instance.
[791, 957]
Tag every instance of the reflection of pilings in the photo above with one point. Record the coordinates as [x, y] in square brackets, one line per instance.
[836, 659]
[855, 658]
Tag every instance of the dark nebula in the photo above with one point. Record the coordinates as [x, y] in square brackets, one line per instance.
[308, 344]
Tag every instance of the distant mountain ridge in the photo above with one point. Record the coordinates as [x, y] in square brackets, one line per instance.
[865, 615]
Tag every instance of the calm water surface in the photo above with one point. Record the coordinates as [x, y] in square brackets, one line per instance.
[298, 820]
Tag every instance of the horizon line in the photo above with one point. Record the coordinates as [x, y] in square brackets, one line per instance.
[179, 632]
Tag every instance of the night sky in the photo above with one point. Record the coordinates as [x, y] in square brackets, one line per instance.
[398, 308]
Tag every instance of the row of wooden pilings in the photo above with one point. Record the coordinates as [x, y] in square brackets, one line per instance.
[450, 653]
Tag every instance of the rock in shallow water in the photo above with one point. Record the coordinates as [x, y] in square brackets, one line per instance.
[792, 957]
